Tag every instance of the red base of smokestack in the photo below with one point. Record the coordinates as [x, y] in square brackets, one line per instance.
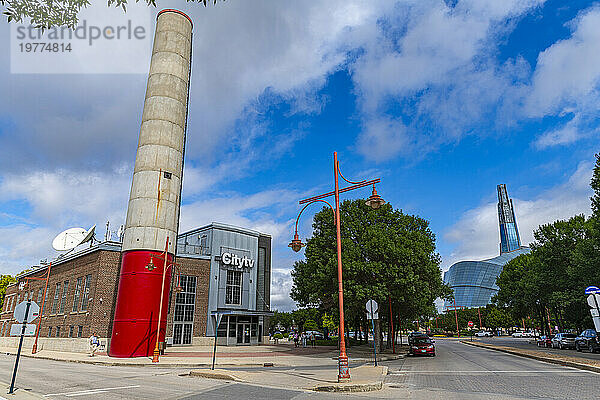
[137, 307]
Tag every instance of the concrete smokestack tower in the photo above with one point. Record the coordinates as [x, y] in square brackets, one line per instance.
[153, 210]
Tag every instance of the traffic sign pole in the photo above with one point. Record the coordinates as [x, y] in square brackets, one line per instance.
[14, 376]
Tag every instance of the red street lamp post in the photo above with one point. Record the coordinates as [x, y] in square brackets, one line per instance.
[374, 201]
[39, 324]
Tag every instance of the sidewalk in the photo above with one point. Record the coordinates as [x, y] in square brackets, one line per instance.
[198, 356]
[19, 394]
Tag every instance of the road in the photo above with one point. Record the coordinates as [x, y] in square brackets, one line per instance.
[528, 343]
[458, 371]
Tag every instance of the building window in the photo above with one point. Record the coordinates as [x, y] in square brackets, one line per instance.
[39, 297]
[76, 295]
[86, 292]
[184, 310]
[46, 305]
[203, 240]
[80, 331]
[233, 288]
[63, 300]
[185, 300]
[49, 331]
[71, 329]
[56, 297]
[58, 331]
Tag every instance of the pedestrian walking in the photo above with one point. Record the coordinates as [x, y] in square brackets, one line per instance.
[303, 338]
[94, 344]
[295, 339]
[313, 340]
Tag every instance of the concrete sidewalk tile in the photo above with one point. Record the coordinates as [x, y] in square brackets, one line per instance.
[19, 394]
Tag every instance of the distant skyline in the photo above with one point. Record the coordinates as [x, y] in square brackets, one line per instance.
[443, 100]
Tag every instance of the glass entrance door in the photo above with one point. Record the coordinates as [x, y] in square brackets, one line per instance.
[243, 333]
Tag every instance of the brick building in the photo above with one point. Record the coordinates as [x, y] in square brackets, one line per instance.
[82, 291]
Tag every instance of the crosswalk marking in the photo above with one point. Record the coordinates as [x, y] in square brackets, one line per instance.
[90, 391]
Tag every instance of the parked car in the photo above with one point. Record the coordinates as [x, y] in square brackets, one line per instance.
[563, 341]
[528, 334]
[422, 345]
[318, 335]
[413, 335]
[517, 334]
[588, 340]
[544, 341]
[483, 334]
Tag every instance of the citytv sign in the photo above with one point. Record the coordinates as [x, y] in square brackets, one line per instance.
[235, 261]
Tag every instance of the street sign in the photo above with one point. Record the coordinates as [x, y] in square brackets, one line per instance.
[19, 313]
[15, 329]
[593, 301]
[374, 315]
[470, 324]
[217, 318]
[592, 289]
[372, 306]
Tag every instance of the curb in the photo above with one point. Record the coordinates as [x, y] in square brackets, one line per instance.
[549, 360]
[120, 364]
[222, 375]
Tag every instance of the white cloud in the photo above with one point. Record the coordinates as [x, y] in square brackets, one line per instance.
[476, 234]
[566, 134]
[568, 71]
[441, 57]
[23, 246]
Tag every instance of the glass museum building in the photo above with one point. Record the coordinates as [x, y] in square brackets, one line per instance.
[474, 282]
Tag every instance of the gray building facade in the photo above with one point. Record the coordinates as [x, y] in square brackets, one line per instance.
[239, 280]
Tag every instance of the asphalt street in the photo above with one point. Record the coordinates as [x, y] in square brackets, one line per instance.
[529, 344]
[461, 371]
[458, 371]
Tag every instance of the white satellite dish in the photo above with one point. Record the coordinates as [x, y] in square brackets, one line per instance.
[72, 238]
[89, 235]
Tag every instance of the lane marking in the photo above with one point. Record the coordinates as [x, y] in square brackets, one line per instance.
[90, 391]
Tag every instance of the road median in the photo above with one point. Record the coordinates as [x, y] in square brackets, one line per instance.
[566, 361]
[365, 378]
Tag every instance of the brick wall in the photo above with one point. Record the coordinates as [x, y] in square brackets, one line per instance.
[200, 268]
[103, 266]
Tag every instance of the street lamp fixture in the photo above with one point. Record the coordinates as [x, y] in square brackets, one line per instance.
[375, 201]
[296, 244]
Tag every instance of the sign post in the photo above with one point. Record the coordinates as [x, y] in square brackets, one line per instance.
[217, 318]
[24, 313]
[470, 325]
[372, 314]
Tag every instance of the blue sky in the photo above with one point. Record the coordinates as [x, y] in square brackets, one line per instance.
[441, 100]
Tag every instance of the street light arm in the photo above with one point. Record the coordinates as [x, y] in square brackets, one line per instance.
[344, 178]
[346, 189]
[304, 208]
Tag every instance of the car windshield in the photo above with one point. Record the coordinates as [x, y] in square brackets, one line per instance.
[422, 340]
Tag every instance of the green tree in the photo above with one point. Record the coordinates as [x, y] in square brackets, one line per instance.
[385, 254]
[5, 280]
[56, 13]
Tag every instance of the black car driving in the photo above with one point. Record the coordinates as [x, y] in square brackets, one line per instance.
[588, 340]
